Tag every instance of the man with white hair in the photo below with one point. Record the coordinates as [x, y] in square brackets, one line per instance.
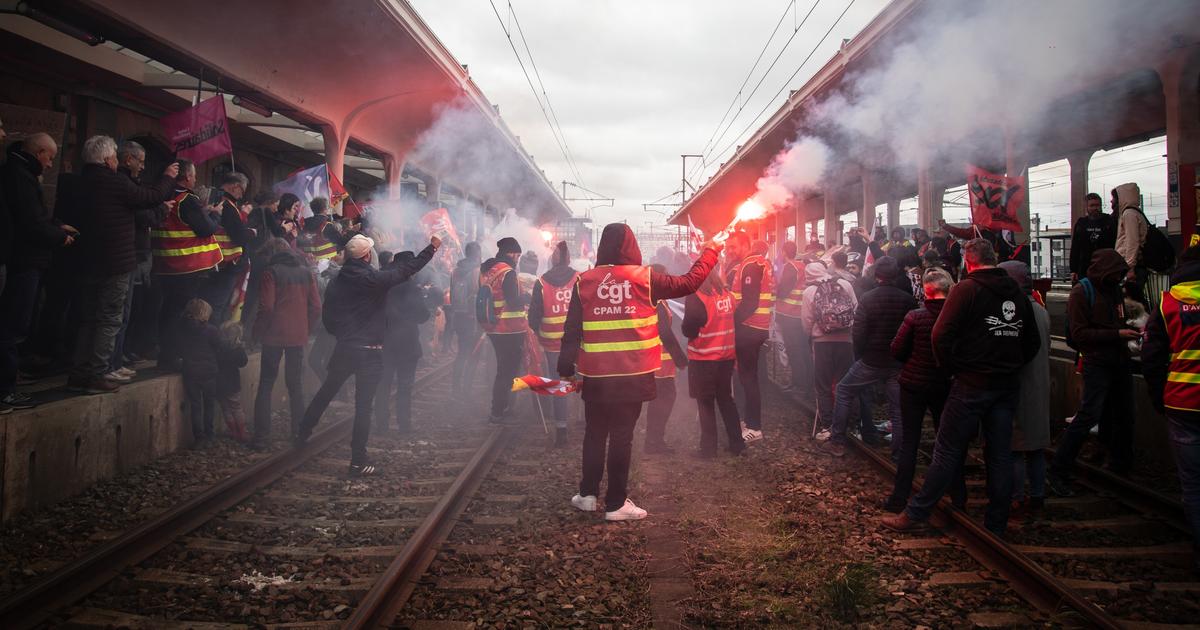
[35, 235]
[108, 260]
[354, 313]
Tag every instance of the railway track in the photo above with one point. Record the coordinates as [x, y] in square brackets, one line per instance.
[288, 540]
[1133, 536]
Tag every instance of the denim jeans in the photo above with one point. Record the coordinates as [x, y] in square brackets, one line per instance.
[831, 360]
[1183, 429]
[861, 378]
[117, 358]
[1104, 388]
[365, 365]
[16, 313]
[913, 404]
[799, 352]
[102, 309]
[967, 409]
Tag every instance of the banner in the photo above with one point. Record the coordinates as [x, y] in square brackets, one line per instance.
[307, 184]
[995, 199]
[438, 222]
[199, 133]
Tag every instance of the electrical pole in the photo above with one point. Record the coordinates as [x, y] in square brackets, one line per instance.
[683, 182]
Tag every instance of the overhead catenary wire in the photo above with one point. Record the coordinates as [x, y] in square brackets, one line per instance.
[754, 121]
[561, 142]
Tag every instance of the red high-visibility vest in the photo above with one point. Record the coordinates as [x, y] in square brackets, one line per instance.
[230, 252]
[555, 301]
[667, 369]
[1182, 320]
[620, 322]
[761, 318]
[176, 248]
[789, 305]
[315, 244]
[715, 341]
[511, 318]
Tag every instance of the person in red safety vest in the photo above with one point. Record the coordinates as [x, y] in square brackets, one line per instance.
[708, 325]
[788, 295]
[611, 340]
[750, 280]
[1171, 365]
[547, 317]
[184, 253]
[233, 236]
[507, 334]
[673, 359]
[315, 241]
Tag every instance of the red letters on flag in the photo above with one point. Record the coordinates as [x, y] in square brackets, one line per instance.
[199, 133]
[995, 199]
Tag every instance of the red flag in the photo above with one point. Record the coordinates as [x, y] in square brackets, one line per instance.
[995, 199]
[544, 386]
[437, 221]
[200, 132]
[338, 195]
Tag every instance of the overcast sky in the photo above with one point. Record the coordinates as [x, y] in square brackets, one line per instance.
[636, 84]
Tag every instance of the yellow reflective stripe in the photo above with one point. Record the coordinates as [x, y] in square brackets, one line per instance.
[221, 237]
[621, 346]
[172, 234]
[511, 314]
[554, 320]
[665, 356]
[184, 251]
[709, 350]
[791, 301]
[1190, 355]
[621, 324]
[498, 303]
[550, 335]
[762, 310]
[1183, 377]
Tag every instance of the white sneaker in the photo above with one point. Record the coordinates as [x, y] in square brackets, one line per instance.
[628, 512]
[127, 372]
[751, 435]
[116, 377]
[584, 504]
[823, 435]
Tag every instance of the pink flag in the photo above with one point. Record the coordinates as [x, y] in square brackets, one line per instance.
[199, 133]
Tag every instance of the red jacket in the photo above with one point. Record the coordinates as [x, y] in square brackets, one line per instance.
[289, 306]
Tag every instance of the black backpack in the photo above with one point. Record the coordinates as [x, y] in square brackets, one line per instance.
[1157, 252]
[485, 307]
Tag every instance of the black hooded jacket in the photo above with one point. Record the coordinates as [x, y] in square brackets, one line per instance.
[618, 246]
[986, 331]
[406, 311]
[354, 301]
[1095, 327]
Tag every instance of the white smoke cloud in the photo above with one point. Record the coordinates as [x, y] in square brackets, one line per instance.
[964, 73]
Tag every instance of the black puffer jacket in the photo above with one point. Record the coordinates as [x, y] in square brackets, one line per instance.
[107, 233]
[876, 321]
[912, 346]
[35, 233]
[354, 301]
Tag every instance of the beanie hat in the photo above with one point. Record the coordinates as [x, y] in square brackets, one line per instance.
[887, 269]
[507, 245]
[359, 246]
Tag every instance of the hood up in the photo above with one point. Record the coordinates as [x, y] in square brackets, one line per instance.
[816, 272]
[618, 246]
[1107, 267]
[1128, 196]
[1019, 272]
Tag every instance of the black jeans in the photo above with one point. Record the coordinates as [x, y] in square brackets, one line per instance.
[509, 350]
[466, 332]
[609, 427]
[201, 395]
[364, 364]
[658, 412]
[293, 376]
[748, 345]
[402, 371]
[16, 314]
[913, 404]
[142, 335]
[968, 409]
[831, 361]
[799, 353]
[1105, 388]
[177, 291]
[102, 304]
[707, 405]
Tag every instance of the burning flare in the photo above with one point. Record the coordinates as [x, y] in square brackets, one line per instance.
[748, 211]
[546, 235]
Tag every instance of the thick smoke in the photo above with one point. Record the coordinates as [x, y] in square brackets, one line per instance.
[965, 73]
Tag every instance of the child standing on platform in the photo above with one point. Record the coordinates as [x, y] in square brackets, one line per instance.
[199, 344]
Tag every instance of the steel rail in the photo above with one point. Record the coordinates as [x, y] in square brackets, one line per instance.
[74, 581]
[1151, 503]
[1033, 583]
[392, 590]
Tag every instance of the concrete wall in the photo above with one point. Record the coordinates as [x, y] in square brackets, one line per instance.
[61, 448]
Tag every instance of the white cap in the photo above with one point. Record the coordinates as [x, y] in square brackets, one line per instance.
[359, 246]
